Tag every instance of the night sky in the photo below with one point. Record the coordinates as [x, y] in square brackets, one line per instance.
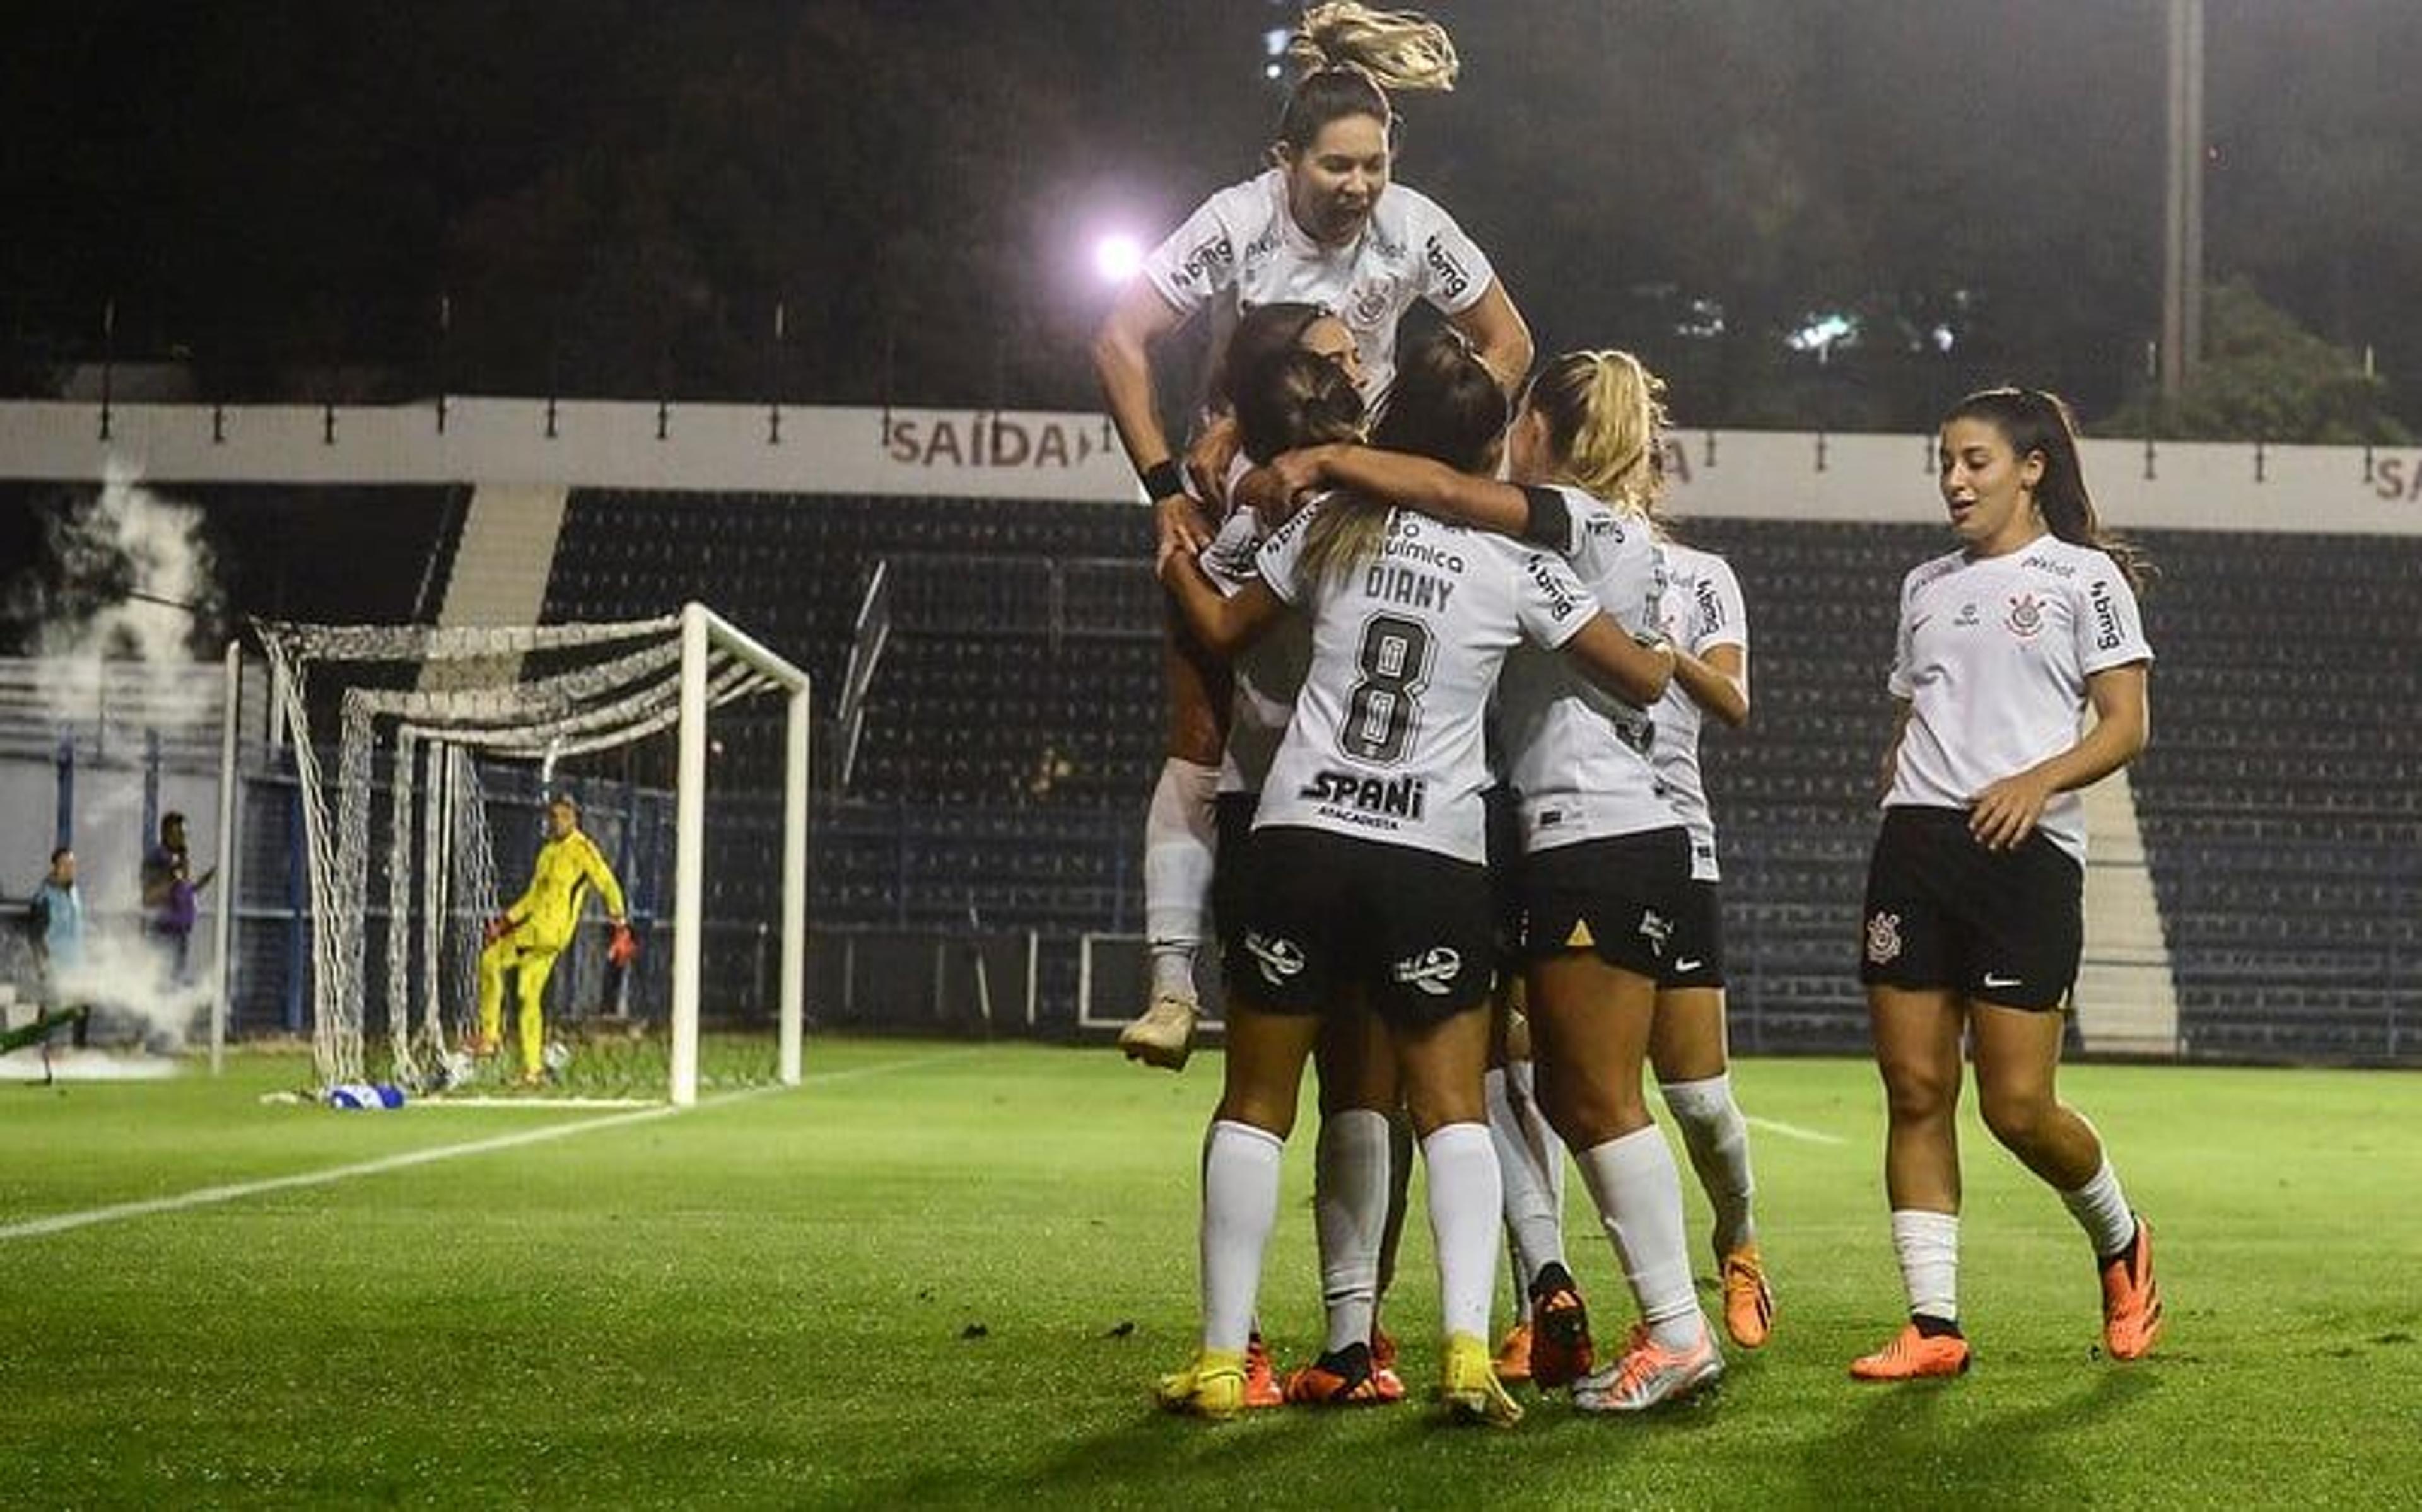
[614, 197]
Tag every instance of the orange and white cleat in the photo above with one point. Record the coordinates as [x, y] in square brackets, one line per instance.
[1514, 1354]
[1649, 1372]
[1913, 1355]
[1749, 1302]
[1561, 1349]
[1261, 1386]
[1340, 1377]
[1383, 1364]
[2132, 1300]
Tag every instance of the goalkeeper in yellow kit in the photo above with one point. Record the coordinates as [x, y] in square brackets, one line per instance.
[536, 927]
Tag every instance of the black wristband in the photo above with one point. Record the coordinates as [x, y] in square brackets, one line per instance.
[1162, 479]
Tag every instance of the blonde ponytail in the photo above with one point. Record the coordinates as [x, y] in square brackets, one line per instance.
[1399, 49]
[1604, 413]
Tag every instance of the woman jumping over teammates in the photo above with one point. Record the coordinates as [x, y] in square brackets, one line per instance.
[1367, 861]
[1975, 895]
[1325, 225]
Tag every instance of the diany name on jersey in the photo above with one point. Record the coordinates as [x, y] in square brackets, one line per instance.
[1380, 798]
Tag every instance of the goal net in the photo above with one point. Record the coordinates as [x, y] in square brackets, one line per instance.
[425, 757]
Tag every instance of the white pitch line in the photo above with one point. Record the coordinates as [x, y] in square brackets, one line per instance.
[207, 1197]
[1813, 1136]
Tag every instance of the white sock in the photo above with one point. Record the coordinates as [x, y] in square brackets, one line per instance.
[1928, 1246]
[1350, 1202]
[1522, 1079]
[1717, 1137]
[1180, 849]
[1531, 1215]
[1240, 1203]
[2101, 1210]
[1638, 1195]
[1464, 1204]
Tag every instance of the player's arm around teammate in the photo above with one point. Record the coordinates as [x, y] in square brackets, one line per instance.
[1328, 223]
[1974, 914]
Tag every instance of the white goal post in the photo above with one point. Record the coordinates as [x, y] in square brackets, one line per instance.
[470, 693]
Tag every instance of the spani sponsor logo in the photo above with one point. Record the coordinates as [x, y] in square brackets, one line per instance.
[1401, 798]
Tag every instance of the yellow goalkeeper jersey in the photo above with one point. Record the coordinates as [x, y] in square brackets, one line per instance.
[559, 884]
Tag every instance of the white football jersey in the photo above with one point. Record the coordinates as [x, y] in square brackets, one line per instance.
[1243, 243]
[1266, 675]
[1703, 610]
[1387, 742]
[1576, 754]
[1993, 655]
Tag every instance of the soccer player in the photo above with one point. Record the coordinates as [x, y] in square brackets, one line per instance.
[1368, 864]
[1325, 225]
[1704, 617]
[1974, 893]
[1607, 857]
[1358, 1168]
[533, 930]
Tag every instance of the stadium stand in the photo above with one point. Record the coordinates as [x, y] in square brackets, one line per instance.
[1014, 725]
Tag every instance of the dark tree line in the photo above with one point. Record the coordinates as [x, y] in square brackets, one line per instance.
[617, 196]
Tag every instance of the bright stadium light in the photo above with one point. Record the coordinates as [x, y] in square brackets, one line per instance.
[1116, 256]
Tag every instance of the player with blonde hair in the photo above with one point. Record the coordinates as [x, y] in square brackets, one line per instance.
[1328, 223]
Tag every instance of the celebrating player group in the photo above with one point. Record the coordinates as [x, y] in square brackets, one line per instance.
[1438, 671]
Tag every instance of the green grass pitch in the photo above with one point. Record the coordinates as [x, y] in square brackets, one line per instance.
[946, 1274]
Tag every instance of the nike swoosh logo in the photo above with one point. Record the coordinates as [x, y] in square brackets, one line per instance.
[1992, 980]
[1689, 965]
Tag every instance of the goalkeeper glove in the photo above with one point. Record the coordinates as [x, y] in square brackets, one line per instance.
[624, 947]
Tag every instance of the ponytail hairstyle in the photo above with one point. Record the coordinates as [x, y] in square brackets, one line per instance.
[1293, 399]
[2038, 423]
[1347, 56]
[1446, 406]
[1605, 414]
[1263, 332]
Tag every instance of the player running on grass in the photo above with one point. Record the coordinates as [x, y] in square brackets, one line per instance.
[527, 936]
[1975, 895]
[1326, 224]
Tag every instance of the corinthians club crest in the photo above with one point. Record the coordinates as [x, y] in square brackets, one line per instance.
[2025, 617]
[1883, 937]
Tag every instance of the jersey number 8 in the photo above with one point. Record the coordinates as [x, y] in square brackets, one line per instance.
[1384, 706]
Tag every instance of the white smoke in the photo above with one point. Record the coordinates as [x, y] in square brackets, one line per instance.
[129, 593]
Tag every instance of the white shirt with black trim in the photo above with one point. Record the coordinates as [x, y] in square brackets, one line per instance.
[1265, 676]
[1243, 241]
[1577, 755]
[1993, 654]
[1702, 610]
[1387, 742]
